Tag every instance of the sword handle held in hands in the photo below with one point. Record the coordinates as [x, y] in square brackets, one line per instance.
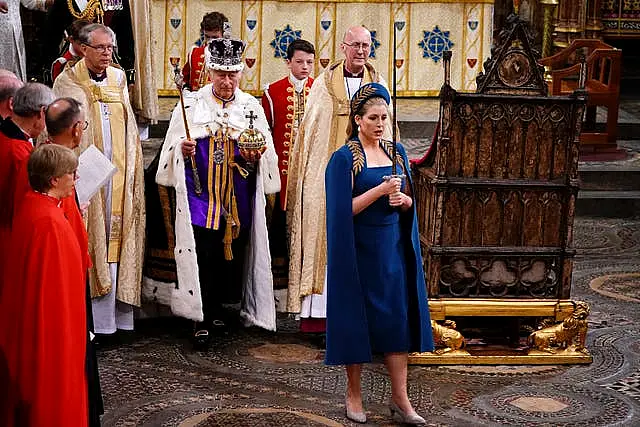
[196, 178]
[396, 198]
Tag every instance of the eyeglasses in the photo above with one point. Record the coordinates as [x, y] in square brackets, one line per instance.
[358, 46]
[83, 123]
[102, 48]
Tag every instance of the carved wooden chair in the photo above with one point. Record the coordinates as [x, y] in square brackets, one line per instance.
[496, 200]
[603, 64]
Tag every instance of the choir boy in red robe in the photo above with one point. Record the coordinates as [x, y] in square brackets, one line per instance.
[194, 72]
[284, 103]
[73, 52]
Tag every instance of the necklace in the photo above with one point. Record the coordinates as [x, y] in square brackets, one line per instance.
[225, 101]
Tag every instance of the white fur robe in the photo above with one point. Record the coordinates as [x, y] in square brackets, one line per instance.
[258, 304]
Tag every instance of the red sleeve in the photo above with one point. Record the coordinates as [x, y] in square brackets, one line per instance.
[186, 70]
[266, 106]
[56, 69]
[22, 185]
[73, 215]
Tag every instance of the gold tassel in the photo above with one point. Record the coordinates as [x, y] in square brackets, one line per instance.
[228, 239]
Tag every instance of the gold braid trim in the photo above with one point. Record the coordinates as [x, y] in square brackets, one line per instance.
[361, 96]
[92, 11]
[232, 226]
[358, 155]
[387, 146]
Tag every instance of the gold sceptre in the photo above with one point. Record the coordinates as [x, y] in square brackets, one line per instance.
[175, 62]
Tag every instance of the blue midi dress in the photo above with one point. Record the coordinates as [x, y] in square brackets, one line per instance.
[376, 291]
[380, 256]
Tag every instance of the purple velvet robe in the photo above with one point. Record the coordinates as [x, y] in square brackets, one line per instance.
[244, 187]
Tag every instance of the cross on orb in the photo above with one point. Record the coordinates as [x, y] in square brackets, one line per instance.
[251, 118]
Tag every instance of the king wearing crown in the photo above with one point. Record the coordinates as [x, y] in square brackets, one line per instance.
[222, 247]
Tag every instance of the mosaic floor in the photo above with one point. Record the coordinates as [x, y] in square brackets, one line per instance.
[256, 378]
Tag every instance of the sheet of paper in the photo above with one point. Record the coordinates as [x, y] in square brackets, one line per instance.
[94, 171]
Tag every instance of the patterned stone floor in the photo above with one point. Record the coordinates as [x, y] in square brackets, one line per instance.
[256, 378]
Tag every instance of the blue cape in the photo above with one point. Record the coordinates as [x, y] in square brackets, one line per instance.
[347, 327]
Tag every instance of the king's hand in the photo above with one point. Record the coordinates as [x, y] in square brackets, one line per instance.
[188, 147]
[252, 156]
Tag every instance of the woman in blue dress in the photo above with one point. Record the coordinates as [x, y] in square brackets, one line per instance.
[376, 293]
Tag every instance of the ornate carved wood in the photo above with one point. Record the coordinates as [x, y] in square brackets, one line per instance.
[496, 201]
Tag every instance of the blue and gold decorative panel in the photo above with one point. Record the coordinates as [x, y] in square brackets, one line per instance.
[251, 25]
[400, 13]
[282, 39]
[472, 45]
[434, 43]
[374, 43]
[325, 35]
[424, 29]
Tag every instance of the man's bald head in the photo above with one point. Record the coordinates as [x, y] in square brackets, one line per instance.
[7, 73]
[62, 114]
[356, 46]
[9, 85]
[356, 32]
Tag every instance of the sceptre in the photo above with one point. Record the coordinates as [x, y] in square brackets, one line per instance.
[394, 137]
[175, 62]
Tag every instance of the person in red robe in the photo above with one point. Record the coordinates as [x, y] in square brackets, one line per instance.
[66, 124]
[284, 102]
[73, 52]
[42, 353]
[17, 134]
[194, 72]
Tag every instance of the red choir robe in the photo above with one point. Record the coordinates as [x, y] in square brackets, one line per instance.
[278, 104]
[42, 351]
[58, 65]
[14, 152]
[194, 72]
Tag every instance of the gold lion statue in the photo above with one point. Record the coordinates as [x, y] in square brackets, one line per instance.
[570, 334]
[447, 338]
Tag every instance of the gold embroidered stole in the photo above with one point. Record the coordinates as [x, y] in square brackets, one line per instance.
[222, 197]
[111, 94]
[341, 103]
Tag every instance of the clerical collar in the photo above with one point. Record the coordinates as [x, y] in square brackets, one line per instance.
[298, 84]
[95, 77]
[72, 51]
[224, 101]
[348, 73]
[13, 131]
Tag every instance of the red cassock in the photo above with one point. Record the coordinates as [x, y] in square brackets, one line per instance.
[284, 110]
[194, 71]
[58, 64]
[43, 313]
[14, 153]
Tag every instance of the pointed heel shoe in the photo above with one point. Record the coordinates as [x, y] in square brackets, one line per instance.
[401, 417]
[356, 417]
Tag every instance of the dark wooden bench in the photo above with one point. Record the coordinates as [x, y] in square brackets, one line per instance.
[602, 84]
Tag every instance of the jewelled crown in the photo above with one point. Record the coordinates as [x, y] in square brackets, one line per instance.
[225, 54]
